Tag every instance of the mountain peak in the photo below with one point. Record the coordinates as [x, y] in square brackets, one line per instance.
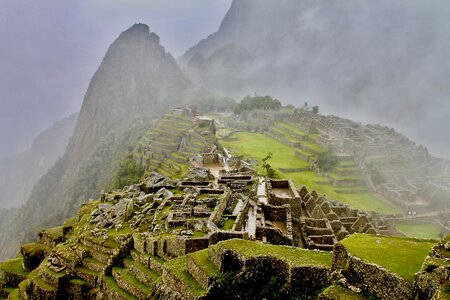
[139, 31]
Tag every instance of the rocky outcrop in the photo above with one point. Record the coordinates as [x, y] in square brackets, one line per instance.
[136, 82]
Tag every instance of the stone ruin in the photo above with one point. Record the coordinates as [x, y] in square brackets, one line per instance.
[122, 240]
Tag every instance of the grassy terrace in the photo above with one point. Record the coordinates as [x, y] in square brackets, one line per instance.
[178, 267]
[296, 256]
[403, 256]
[201, 259]
[291, 128]
[337, 292]
[14, 266]
[256, 146]
[112, 284]
[424, 231]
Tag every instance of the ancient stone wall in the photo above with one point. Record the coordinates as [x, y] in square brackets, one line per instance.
[371, 277]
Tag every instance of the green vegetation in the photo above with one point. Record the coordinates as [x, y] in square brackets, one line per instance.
[254, 146]
[228, 224]
[54, 233]
[201, 259]
[403, 256]
[257, 102]
[337, 292]
[178, 267]
[14, 266]
[129, 172]
[123, 273]
[315, 110]
[78, 281]
[156, 278]
[270, 172]
[112, 284]
[33, 248]
[327, 161]
[296, 256]
[14, 295]
[424, 231]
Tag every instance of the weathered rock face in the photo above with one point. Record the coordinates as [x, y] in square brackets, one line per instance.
[370, 277]
[136, 81]
[434, 278]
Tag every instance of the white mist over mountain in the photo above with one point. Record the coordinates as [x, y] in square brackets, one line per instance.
[51, 48]
[371, 61]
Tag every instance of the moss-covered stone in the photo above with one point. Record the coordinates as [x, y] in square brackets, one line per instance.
[13, 272]
[33, 254]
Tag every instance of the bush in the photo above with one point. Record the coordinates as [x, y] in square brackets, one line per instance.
[326, 161]
[129, 172]
[257, 102]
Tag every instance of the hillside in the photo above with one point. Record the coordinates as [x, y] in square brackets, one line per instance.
[19, 173]
[136, 81]
[222, 231]
[353, 59]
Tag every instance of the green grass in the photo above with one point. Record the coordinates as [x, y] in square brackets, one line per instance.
[148, 272]
[32, 248]
[403, 256]
[123, 273]
[228, 224]
[257, 146]
[111, 283]
[424, 231]
[365, 201]
[178, 267]
[163, 212]
[296, 256]
[201, 259]
[290, 127]
[42, 284]
[313, 146]
[78, 281]
[337, 292]
[55, 232]
[14, 295]
[14, 266]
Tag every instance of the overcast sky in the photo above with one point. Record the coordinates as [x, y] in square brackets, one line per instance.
[49, 50]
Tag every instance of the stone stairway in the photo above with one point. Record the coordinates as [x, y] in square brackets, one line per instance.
[318, 234]
[95, 260]
[138, 276]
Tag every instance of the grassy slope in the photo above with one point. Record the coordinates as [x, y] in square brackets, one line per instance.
[296, 256]
[256, 146]
[403, 256]
[425, 231]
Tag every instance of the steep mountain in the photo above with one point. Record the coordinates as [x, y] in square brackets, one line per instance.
[19, 173]
[136, 81]
[361, 60]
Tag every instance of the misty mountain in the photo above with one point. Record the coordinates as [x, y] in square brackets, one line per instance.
[136, 82]
[371, 61]
[19, 173]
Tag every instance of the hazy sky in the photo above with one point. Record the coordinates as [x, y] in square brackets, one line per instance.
[49, 50]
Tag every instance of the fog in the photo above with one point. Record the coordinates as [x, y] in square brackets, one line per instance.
[370, 61]
[50, 49]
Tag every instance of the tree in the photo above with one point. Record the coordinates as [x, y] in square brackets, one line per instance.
[315, 109]
[270, 172]
[257, 102]
[326, 160]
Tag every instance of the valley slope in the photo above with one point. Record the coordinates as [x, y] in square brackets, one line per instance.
[136, 81]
